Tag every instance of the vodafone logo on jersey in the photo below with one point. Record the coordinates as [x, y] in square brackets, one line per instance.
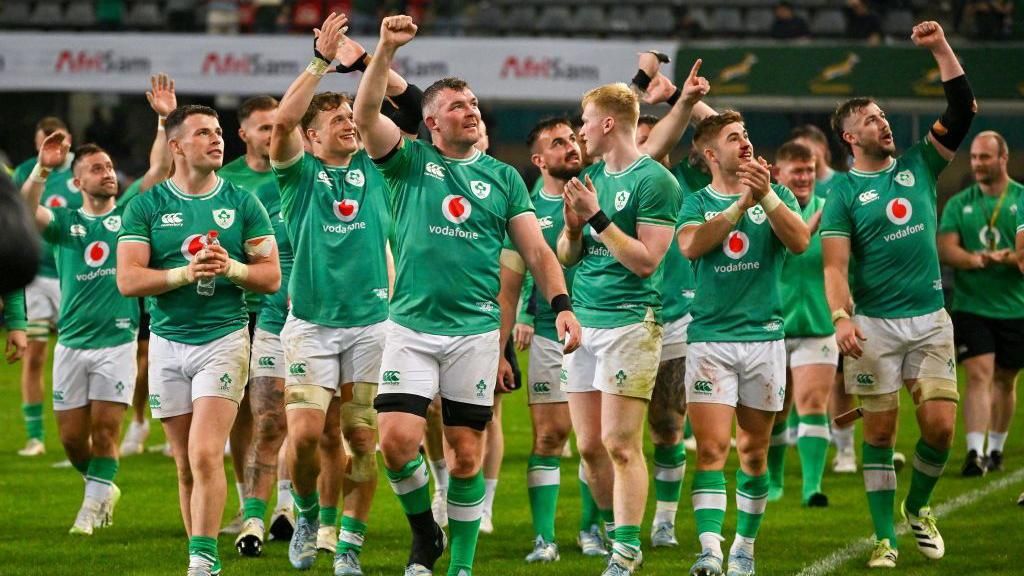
[456, 209]
[736, 245]
[96, 253]
[56, 201]
[899, 211]
[346, 210]
[192, 245]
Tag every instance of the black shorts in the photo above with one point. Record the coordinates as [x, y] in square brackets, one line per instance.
[143, 321]
[976, 335]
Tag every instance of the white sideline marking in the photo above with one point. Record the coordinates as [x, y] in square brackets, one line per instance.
[833, 561]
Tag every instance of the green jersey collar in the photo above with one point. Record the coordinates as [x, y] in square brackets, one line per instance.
[625, 170]
[716, 194]
[186, 196]
[862, 173]
[462, 161]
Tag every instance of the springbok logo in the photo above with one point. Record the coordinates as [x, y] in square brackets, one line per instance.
[96, 253]
[346, 210]
[899, 211]
[736, 245]
[456, 209]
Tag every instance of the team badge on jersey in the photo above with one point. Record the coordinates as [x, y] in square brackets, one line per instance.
[480, 189]
[355, 177]
[736, 245]
[112, 223]
[989, 236]
[757, 214]
[905, 178]
[456, 209]
[224, 217]
[621, 198]
[346, 210]
[96, 253]
[56, 201]
[192, 245]
[899, 211]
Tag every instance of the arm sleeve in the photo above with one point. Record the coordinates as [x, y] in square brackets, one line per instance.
[518, 196]
[835, 217]
[58, 226]
[135, 226]
[15, 315]
[925, 153]
[257, 222]
[692, 212]
[1020, 215]
[289, 182]
[659, 201]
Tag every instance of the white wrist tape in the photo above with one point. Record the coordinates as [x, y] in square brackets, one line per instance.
[178, 277]
[236, 271]
[39, 174]
[771, 201]
[733, 213]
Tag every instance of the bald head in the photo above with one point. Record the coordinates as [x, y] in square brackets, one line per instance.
[989, 157]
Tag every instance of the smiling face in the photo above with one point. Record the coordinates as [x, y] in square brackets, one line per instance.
[798, 176]
[199, 142]
[557, 152]
[731, 148]
[333, 132]
[95, 176]
[867, 130]
[453, 118]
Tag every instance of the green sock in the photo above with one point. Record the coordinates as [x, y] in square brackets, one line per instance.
[543, 478]
[353, 533]
[812, 444]
[411, 485]
[204, 547]
[709, 501]
[328, 515]
[669, 469]
[777, 458]
[82, 467]
[627, 542]
[465, 508]
[308, 506]
[33, 414]
[608, 517]
[751, 499]
[254, 508]
[880, 483]
[793, 419]
[589, 514]
[99, 477]
[928, 466]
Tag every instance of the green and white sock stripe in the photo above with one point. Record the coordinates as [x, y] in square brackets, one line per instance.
[627, 542]
[543, 471]
[709, 501]
[464, 511]
[812, 444]
[99, 477]
[543, 476]
[751, 501]
[308, 506]
[928, 466]
[352, 536]
[33, 415]
[669, 470]
[203, 549]
[778, 433]
[254, 508]
[880, 484]
[465, 508]
[410, 484]
[814, 426]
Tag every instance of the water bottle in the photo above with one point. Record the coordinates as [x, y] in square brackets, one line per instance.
[205, 286]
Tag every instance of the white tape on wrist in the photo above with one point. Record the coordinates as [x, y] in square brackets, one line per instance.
[178, 277]
[236, 271]
[39, 174]
[733, 213]
[771, 201]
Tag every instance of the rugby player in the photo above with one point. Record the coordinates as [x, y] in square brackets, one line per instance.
[452, 208]
[882, 214]
[199, 346]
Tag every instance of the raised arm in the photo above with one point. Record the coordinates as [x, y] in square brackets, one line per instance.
[665, 134]
[951, 128]
[52, 154]
[286, 138]
[380, 135]
[163, 101]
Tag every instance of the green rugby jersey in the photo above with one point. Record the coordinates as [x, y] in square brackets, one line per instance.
[173, 223]
[738, 296]
[890, 218]
[678, 283]
[804, 306]
[1020, 214]
[15, 314]
[552, 220]
[264, 186]
[451, 218]
[996, 291]
[824, 186]
[59, 192]
[93, 313]
[340, 211]
[274, 310]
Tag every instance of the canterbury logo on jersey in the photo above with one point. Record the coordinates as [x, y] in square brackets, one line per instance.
[266, 362]
[703, 387]
[77, 230]
[542, 387]
[172, 219]
[391, 377]
[435, 170]
[546, 222]
[864, 379]
[323, 178]
[867, 197]
[297, 368]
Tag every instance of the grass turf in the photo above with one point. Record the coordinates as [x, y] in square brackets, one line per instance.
[41, 501]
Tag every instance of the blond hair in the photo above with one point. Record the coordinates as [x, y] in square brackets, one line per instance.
[617, 100]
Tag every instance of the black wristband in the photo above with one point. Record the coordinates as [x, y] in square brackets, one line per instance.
[319, 54]
[642, 80]
[561, 303]
[599, 221]
[358, 66]
[674, 97]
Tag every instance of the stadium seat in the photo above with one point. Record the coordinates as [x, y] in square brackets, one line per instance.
[590, 20]
[307, 15]
[623, 19]
[726, 20]
[658, 20]
[15, 13]
[47, 14]
[898, 23]
[554, 18]
[519, 20]
[144, 14]
[700, 16]
[80, 15]
[486, 18]
[759, 21]
[828, 22]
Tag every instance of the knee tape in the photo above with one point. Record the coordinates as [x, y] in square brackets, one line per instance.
[363, 467]
[359, 411]
[926, 389]
[307, 396]
[880, 402]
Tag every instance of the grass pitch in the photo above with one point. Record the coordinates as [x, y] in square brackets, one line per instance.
[983, 528]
